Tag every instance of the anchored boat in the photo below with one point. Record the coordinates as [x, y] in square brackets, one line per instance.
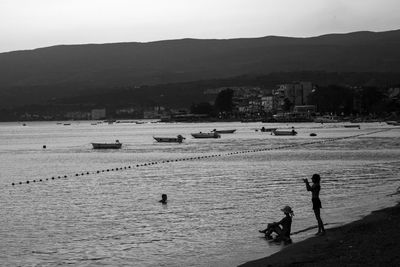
[224, 131]
[177, 139]
[284, 132]
[206, 135]
[115, 145]
[263, 129]
[352, 126]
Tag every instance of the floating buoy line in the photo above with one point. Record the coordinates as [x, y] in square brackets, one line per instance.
[135, 166]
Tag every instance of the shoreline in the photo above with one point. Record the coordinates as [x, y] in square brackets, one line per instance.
[371, 241]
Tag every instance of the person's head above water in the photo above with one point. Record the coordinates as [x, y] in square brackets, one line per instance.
[163, 198]
[287, 210]
[316, 178]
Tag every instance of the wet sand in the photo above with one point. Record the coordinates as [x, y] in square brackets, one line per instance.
[371, 241]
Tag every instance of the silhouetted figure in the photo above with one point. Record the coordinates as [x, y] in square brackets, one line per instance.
[315, 188]
[281, 228]
[163, 199]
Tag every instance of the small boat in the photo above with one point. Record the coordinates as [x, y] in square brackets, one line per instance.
[110, 121]
[177, 139]
[284, 132]
[206, 135]
[224, 131]
[263, 129]
[395, 123]
[352, 126]
[116, 145]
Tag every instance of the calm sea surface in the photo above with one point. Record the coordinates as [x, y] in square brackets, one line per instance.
[216, 204]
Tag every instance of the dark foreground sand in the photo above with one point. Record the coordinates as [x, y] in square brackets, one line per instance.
[371, 241]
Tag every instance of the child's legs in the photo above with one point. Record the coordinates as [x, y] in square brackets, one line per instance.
[273, 228]
[317, 213]
[267, 229]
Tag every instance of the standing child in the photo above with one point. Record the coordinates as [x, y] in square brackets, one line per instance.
[315, 188]
[286, 224]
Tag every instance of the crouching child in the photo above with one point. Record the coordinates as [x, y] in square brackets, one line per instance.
[281, 228]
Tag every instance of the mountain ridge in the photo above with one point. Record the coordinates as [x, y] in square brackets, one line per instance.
[70, 70]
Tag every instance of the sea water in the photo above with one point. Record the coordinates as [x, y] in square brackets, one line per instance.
[216, 204]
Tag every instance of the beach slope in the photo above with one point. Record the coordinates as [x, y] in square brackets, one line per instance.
[371, 241]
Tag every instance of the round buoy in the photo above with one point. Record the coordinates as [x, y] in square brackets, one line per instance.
[27, 182]
[12, 184]
[44, 146]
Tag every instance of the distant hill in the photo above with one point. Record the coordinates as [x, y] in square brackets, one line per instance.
[35, 76]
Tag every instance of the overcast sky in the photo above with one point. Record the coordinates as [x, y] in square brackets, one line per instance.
[28, 24]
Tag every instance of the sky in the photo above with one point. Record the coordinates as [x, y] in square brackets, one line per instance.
[30, 24]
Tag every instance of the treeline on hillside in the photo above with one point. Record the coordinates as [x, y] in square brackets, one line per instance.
[178, 95]
[336, 93]
[332, 99]
[364, 100]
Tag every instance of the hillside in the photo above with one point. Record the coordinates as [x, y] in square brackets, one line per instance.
[34, 76]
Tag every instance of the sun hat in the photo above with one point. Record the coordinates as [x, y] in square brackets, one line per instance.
[287, 209]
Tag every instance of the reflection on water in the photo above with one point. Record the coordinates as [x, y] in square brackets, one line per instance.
[215, 205]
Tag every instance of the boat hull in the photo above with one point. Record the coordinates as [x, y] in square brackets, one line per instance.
[352, 126]
[263, 129]
[107, 145]
[224, 131]
[168, 139]
[281, 132]
[206, 135]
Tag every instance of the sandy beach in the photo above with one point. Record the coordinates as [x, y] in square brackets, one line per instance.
[371, 241]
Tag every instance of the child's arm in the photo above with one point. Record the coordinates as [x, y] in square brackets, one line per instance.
[307, 185]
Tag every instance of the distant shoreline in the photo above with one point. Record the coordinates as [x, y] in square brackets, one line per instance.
[371, 241]
[353, 121]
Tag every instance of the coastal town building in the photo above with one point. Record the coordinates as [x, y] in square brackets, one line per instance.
[267, 103]
[78, 115]
[288, 95]
[305, 110]
[98, 114]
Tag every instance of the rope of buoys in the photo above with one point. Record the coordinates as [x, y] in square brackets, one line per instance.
[207, 156]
